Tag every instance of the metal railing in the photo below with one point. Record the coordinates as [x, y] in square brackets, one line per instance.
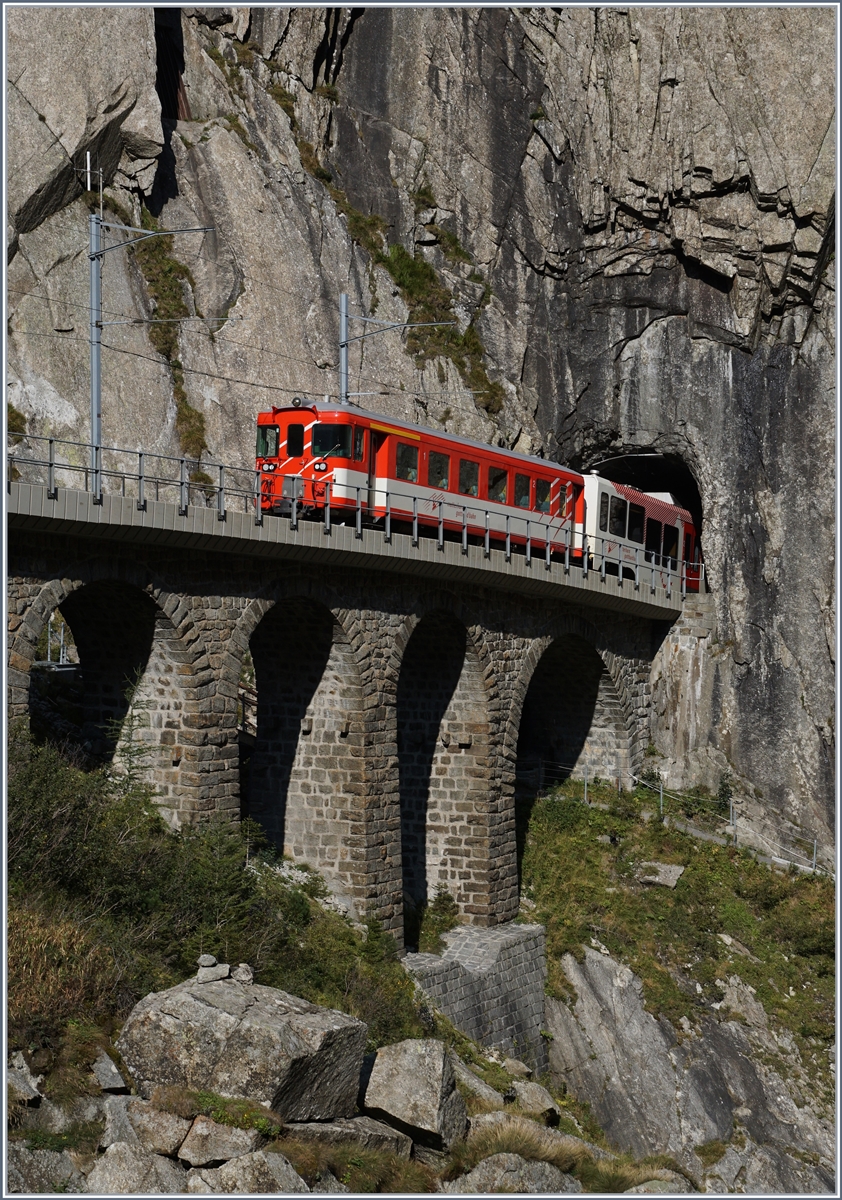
[188, 481]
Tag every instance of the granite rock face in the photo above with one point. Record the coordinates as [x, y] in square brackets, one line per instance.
[250, 1041]
[708, 1085]
[633, 207]
[411, 1085]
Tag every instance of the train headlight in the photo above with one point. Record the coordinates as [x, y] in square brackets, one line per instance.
[269, 466]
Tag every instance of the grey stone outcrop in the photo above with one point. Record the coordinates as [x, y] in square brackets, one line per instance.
[125, 1169]
[533, 1098]
[107, 1075]
[364, 1131]
[40, 1171]
[511, 1173]
[699, 1089]
[472, 1082]
[160, 1132]
[262, 1171]
[209, 1142]
[412, 1085]
[250, 1041]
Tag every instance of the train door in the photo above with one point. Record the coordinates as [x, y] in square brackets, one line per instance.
[378, 450]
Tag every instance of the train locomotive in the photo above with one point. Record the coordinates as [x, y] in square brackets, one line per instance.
[341, 464]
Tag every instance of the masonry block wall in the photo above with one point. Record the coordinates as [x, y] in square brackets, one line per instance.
[490, 983]
[389, 709]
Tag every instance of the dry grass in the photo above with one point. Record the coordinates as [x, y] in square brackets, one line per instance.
[242, 1114]
[360, 1170]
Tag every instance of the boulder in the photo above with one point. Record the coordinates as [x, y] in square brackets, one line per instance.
[40, 1171]
[365, 1131]
[472, 1083]
[20, 1091]
[259, 1172]
[107, 1075]
[125, 1169]
[160, 1132]
[663, 874]
[511, 1173]
[249, 1041]
[208, 1142]
[118, 1127]
[328, 1183]
[412, 1086]
[533, 1098]
[517, 1068]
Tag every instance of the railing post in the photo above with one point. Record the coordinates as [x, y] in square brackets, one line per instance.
[652, 575]
[415, 520]
[387, 528]
[220, 495]
[669, 579]
[359, 526]
[619, 565]
[815, 847]
[602, 568]
[548, 551]
[183, 490]
[487, 546]
[327, 509]
[586, 783]
[661, 799]
[141, 484]
[584, 555]
[98, 476]
[440, 537]
[52, 491]
[508, 540]
[258, 500]
[637, 568]
[293, 512]
[529, 543]
[464, 530]
[683, 580]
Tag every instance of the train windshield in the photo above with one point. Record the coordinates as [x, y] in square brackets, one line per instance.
[331, 441]
[268, 437]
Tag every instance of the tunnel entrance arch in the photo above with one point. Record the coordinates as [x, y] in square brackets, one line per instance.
[129, 698]
[443, 744]
[302, 772]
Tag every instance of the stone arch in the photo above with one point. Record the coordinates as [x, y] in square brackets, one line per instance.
[306, 778]
[133, 695]
[443, 765]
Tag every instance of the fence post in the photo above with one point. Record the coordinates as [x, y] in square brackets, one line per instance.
[440, 537]
[387, 528]
[52, 492]
[528, 544]
[220, 495]
[602, 565]
[548, 551]
[586, 783]
[637, 568]
[327, 509]
[183, 490]
[258, 500]
[585, 549]
[359, 529]
[464, 530]
[293, 512]
[508, 541]
[815, 852]
[98, 474]
[141, 484]
[415, 520]
[661, 799]
[487, 548]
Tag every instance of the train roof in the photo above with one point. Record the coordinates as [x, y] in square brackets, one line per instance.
[319, 406]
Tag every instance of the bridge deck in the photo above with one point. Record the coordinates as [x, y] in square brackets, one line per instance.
[73, 513]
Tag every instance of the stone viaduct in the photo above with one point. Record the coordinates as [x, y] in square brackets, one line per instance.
[401, 691]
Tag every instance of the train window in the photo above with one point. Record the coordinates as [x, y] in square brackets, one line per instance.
[542, 495]
[438, 470]
[331, 441]
[636, 518]
[295, 441]
[497, 481]
[671, 545]
[268, 437]
[603, 512]
[653, 541]
[468, 477]
[522, 491]
[407, 462]
[617, 517]
[359, 443]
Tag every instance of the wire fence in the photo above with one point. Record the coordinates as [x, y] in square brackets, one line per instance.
[802, 852]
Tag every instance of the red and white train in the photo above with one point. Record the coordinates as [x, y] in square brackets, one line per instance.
[358, 467]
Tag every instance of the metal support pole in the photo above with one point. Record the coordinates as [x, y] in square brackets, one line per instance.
[508, 541]
[815, 852]
[183, 490]
[293, 512]
[441, 526]
[487, 548]
[415, 520]
[464, 530]
[97, 493]
[327, 509]
[141, 497]
[637, 568]
[258, 501]
[586, 783]
[387, 531]
[62, 653]
[669, 579]
[343, 348]
[50, 639]
[584, 538]
[95, 229]
[528, 544]
[661, 799]
[548, 551]
[652, 575]
[220, 496]
[619, 565]
[52, 492]
[602, 567]
[359, 527]
[683, 580]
